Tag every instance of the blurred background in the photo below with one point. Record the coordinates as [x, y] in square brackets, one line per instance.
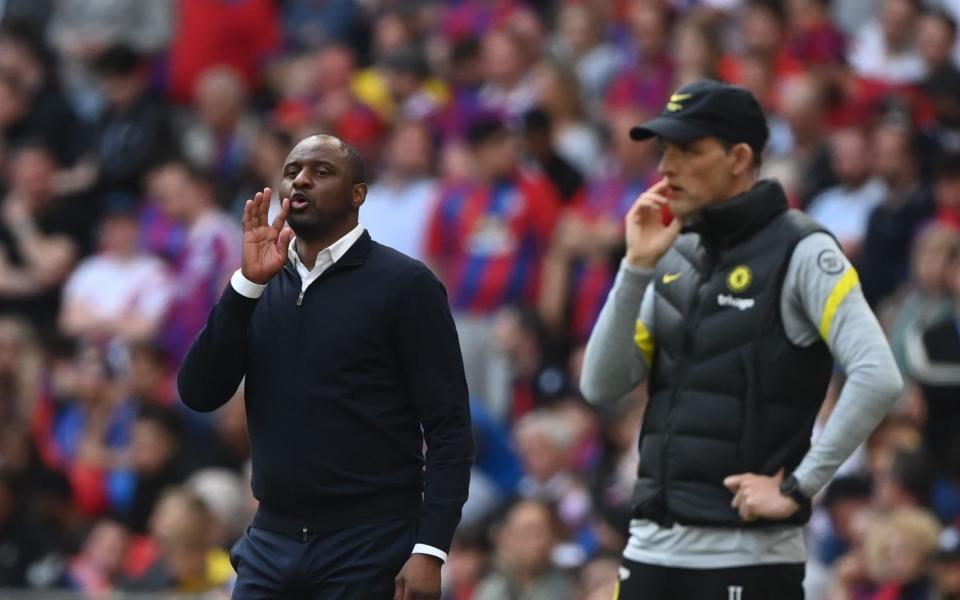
[132, 131]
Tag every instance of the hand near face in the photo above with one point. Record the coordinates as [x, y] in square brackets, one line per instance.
[264, 244]
[647, 237]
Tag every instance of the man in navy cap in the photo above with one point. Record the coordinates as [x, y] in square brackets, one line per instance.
[743, 306]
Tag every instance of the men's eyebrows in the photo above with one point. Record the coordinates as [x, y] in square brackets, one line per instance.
[312, 162]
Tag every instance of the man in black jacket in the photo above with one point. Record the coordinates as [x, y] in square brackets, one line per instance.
[349, 352]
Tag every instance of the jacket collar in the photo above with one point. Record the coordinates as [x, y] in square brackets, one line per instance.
[732, 221]
[355, 255]
[358, 252]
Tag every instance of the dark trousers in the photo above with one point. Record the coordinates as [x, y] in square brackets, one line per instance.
[762, 582]
[359, 563]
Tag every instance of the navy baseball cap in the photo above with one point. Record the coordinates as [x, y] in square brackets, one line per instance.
[707, 108]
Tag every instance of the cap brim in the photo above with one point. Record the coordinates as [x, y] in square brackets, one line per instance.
[669, 129]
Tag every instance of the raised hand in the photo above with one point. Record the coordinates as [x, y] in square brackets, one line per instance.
[264, 244]
[647, 237]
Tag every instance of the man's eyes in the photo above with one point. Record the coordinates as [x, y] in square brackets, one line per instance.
[292, 172]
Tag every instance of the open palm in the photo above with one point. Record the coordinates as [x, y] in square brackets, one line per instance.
[264, 244]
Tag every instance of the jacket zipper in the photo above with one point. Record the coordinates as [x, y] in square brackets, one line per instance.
[295, 471]
[682, 369]
[322, 275]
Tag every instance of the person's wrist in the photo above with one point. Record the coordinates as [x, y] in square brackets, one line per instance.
[790, 488]
[640, 262]
[251, 279]
[429, 559]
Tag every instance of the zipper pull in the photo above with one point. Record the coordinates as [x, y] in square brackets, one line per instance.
[300, 298]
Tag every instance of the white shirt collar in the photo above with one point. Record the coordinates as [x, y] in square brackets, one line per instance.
[334, 251]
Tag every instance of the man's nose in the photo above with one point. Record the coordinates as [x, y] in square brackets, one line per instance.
[665, 166]
[302, 180]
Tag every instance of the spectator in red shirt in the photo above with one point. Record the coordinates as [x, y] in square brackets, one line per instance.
[487, 239]
[813, 39]
[764, 30]
[647, 78]
[237, 33]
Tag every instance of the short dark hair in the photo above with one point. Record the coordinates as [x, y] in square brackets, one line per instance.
[912, 470]
[774, 8]
[37, 144]
[757, 156]
[851, 487]
[151, 350]
[464, 50]
[483, 130]
[165, 418]
[117, 61]
[195, 173]
[408, 61]
[537, 120]
[357, 166]
[24, 35]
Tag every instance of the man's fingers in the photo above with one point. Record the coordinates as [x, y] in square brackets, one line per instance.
[648, 199]
[675, 225]
[747, 512]
[281, 217]
[733, 482]
[255, 210]
[398, 588]
[265, 206]
[657, 199]
[643, 205]
[247, 206]
[660, 186]
[283, 240]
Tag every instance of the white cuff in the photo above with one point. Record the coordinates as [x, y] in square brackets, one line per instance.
[430, 550]
[245, 287]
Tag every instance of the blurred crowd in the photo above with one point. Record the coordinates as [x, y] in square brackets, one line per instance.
[495, 132]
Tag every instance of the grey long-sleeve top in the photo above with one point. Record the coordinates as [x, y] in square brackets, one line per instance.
[819, 301]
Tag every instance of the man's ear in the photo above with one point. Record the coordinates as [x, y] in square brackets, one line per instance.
[742, 158]
[359, 194]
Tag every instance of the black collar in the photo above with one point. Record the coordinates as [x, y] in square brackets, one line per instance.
[732, 221]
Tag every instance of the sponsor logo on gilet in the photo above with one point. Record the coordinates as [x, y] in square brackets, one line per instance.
[738, 303]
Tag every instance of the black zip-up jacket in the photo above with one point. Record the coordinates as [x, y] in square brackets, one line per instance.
[339, 382]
